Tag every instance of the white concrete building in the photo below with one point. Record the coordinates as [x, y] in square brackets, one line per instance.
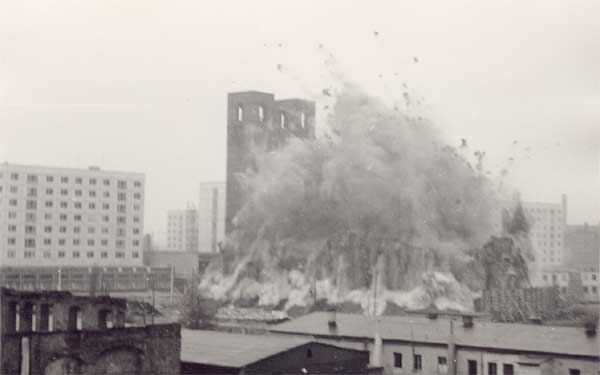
[70, 217]
[182, 230]
[211, 216]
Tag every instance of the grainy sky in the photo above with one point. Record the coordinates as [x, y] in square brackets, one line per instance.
[141, 85]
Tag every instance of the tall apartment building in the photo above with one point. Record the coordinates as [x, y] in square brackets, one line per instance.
[70, 217]
[182, 230]
[211, 216]
[256, 122]
[547, 222]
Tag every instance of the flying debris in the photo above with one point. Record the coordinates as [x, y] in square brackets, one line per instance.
[515, 142]
[376, 33]
[280, 67]
[416, 59]
[406, 98]
[320, 46]
[463, 143]
[327, 92]
[280, 45]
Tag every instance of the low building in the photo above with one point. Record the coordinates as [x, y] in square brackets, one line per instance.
[213, 352]
[187, 267]
[411, 344]
[59, 333]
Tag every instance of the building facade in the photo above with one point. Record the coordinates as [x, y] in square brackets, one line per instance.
[59, 333]
[70, 217]
[409, 344]
[211, 216]
[258, 123]
[582, 247]
[182, 230]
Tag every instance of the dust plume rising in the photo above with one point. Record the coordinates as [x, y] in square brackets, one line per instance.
[377, 210]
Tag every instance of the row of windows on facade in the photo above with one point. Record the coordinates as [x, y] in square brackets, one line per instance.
[564, 277]
[28, 318]
[31, 229]
[261, 117]
[33, 192]
[31, 217]
[442, 364]
[31, 242]
[551, 211]
[32, 205]
[590, 290]
[74, 254]
[33, 179]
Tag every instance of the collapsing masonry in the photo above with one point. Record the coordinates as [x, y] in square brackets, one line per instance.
[379, 211]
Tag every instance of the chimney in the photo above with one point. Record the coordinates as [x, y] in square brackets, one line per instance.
[332, 319]
[467, 321]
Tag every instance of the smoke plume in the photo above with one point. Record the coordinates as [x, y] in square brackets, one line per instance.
[377, 211]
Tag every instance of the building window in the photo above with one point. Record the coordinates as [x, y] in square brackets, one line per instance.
[104, 254]
[31, 178]
[574, 371]
[61, 254]
[137, 184]
[30, 229]
[64, 205]
[12, 241]
[240, 113]
[92, 181]
[136, 230]
[32, 192]
[76, 229]
[12, 215]
[106, 182]
[90, 254]
[76, 254]
[31, 205]
[594, 289]
[47, 229]
[120, 254]
[11, 254]
[91, 230]
[136, 243]
[12, 202]
[14, 190]
[106, 194]
[77, 217]
[64, 192]
[46, 254]
[282, 119]
[63, 217]
[64, 180]
[594, 277]
[104, 230]
[120, 244]
[49, 179]
[135, 254]
[78, 205]
[30, 217]
[14, 176]
[471, 367]
[492, 368]
[76, 241]
[136, 219]
[121, 208]
[12, 228]
[90, 242]
[105, 206]
[92, 206]
[104, 242]
[122, 196]
[442, 365]
[137, 195]
[78, 193]
[417, 362]
[92, 193]
[122, 184]
[121, 220]
[106, 219]
[49, 204]
[261, 113]
[398, 360]
[62, 242]
[29, 254]
[508, 369]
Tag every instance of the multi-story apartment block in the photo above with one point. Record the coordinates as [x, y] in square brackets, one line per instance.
[547, 226]
[182, 230]
[70, 217]
[256, 123]
[582, 247]
[211, 216]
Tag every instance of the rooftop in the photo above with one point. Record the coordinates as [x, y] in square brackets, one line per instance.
[233, 350]
[49, 169]
[504, 336]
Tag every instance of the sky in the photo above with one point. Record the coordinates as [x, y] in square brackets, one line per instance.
[141, 85]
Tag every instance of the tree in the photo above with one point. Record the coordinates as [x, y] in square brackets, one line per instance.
[197, 311]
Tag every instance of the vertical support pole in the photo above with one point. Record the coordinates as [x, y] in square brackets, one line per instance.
[451, 351]
[59, 281]
[172, 284]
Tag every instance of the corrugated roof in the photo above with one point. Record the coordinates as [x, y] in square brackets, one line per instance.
[233, 350]
[505, 336]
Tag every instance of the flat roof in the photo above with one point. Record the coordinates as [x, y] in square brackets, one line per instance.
[90, 169]
[232, 349]
[483, 334]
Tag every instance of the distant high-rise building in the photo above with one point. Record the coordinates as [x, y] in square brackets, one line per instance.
[547, 226]
[582, 247]
[70, 217]
[211, 216]
[182, 230]
[256, 122]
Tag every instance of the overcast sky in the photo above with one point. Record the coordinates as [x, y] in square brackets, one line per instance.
[141, 85]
